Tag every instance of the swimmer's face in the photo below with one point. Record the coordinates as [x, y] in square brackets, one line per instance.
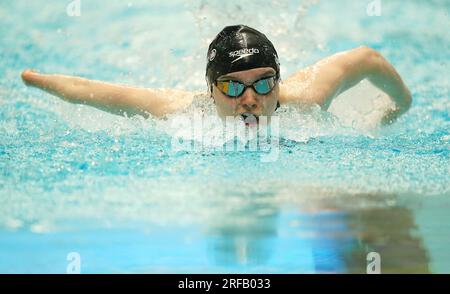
[249, 102]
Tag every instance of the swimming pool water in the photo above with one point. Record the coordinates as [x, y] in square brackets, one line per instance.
[75, 179]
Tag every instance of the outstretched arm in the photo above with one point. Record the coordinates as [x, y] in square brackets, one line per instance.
[331, 76]
[117, 99]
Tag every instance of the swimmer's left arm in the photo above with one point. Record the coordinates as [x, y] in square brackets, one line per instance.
[328, 78]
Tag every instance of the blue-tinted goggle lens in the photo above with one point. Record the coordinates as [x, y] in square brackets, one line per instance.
[235, 88]
[264, 86]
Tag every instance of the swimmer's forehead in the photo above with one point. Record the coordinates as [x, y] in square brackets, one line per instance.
[249, 74]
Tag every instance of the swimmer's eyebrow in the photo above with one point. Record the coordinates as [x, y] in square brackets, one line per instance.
[263, 75]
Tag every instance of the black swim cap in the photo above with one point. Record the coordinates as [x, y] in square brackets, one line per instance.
[238, 48]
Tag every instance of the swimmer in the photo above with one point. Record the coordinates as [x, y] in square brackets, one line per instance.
[243, 79]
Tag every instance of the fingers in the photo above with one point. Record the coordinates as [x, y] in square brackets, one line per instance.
[30, 77]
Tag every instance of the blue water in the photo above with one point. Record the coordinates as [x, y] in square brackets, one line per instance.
[76, 179]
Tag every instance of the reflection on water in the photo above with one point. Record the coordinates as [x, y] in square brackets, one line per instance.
[391, 232]
[327, 239]
[315, 235]
[245, 235]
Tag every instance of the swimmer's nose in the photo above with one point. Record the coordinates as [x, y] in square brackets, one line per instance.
[248, 100]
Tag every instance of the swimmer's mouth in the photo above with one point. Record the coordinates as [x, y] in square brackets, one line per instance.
[250, 119]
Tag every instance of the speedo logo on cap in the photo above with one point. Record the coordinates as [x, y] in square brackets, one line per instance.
[243, 53]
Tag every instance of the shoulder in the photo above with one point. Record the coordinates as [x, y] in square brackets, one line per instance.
[301, 87]
[163, 101]
[195, 101]
[320, 82]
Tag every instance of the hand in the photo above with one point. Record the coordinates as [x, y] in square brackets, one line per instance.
[29, 76]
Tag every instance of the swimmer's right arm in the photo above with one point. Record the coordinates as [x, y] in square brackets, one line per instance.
[114, 98]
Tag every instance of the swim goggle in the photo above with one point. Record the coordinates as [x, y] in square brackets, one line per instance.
[235, 89]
